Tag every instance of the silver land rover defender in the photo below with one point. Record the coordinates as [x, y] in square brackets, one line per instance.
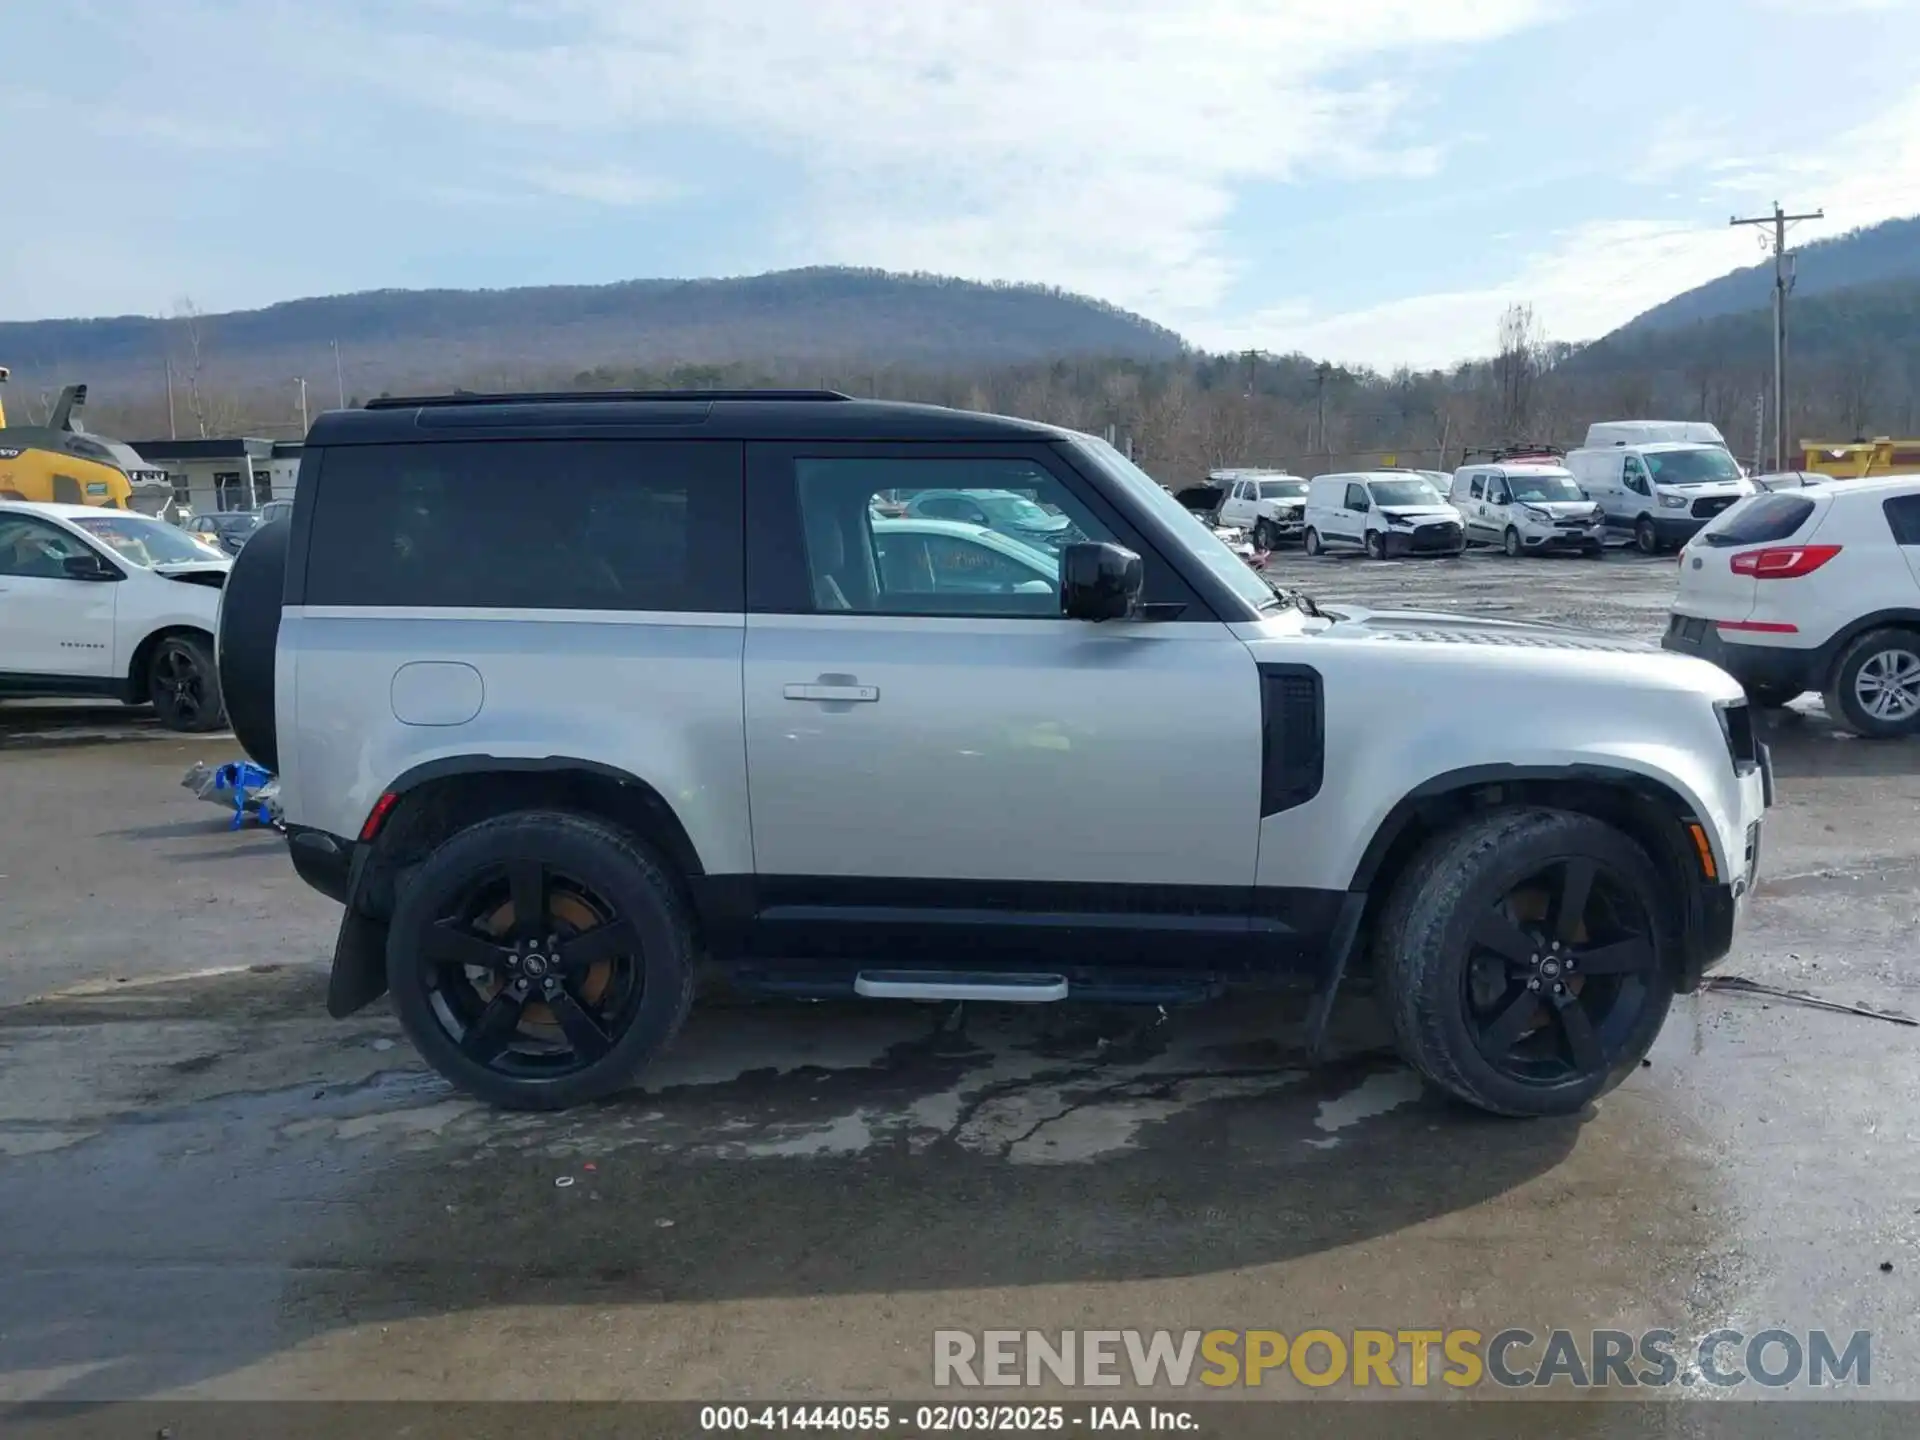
[567, 692]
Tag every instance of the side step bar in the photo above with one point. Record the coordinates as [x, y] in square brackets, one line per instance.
[1021, 989]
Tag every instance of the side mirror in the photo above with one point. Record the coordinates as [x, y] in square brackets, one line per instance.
[89, 567]
[1099, 581]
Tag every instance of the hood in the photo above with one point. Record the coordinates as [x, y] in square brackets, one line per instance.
[1052, 525]
[1562, 509]
[1441, 628]
[1286, 502]
[1709, 488]
[1418, 513]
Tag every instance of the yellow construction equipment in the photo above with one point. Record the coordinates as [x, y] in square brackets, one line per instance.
[1862, 459]
[61, 462]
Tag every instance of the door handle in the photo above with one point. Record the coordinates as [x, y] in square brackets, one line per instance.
[840, 693]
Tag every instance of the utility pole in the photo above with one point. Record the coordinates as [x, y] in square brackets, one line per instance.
[1759, 431]
[301, 380]
[339, 380]
[1782, 284]
[173, 432]
[1320, 373]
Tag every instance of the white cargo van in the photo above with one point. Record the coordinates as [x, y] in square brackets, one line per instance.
[1527, 509]
[1660, 492]
[1383, 512]
[1653, 432]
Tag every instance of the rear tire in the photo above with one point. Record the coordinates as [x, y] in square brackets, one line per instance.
[184, 685]
[1511, 544]
[1645, 538]
[1311, 542]
[1772, 697]
[459, 913]
[1468, 969]
[1875, 689]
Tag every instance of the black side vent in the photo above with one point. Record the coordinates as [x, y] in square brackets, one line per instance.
[1293, 713]
[1736, 722]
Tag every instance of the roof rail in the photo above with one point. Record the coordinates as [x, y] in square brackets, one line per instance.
[578, 397]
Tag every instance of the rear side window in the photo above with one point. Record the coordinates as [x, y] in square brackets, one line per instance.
[1903, 518]
[530, 524]
[1773, 516]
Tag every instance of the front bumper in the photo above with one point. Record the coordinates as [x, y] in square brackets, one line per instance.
[1756, 667]
[1441, 538]
[1557, 538]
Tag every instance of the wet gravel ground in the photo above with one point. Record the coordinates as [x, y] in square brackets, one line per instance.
[218, 1192]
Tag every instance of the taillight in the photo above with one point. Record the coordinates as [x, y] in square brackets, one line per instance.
[1788, 562]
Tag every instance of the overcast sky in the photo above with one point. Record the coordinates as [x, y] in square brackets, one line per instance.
[1370, 180]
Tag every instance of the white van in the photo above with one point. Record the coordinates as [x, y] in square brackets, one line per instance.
[1526, 509]
[1382, 512]
[1663, 492]
[1653, 432]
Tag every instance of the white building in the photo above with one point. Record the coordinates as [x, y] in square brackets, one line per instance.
[215, 475]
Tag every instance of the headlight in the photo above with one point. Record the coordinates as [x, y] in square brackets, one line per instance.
[1399, 522]
[1674, 502]
[1533, 514]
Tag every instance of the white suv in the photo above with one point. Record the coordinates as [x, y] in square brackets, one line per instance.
[1813, 588]
[97, 602]
[566, 693]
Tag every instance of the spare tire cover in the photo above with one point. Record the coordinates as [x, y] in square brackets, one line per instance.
[249, 631]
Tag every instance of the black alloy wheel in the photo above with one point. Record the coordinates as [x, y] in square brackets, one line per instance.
[1556, 979]
[540, 959]
[184, 685]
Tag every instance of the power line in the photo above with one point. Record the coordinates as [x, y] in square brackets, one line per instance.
[1782, 284]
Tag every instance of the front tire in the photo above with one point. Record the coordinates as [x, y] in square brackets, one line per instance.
[1376, 545]
[1645, 537]
[183, 684]
[1263, 536]
[1875, 690]
[1512, 544]
[1311, 542]
[1595, 551]
[545, 1012]
[1522, 963]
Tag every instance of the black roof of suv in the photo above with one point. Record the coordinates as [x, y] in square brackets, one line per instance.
[707, 414]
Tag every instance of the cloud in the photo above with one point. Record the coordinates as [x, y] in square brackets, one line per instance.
[1096, 144]
[1586, 281]
[606, 186]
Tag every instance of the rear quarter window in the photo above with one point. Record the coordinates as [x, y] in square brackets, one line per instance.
[1903, 518]
[530, 524]
[1773, 516]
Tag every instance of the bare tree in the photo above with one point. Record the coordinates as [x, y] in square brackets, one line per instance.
[212, 414]
[1516, 366]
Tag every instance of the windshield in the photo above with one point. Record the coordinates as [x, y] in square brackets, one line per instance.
[235, 524]
[1282, 489]
[148, 543]
[1691, 467]
[1201, 542]
[1543, 488]
[1403, 492]
[1019, 510]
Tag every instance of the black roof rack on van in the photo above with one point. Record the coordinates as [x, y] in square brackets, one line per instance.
[576, 397]
[1494, 454]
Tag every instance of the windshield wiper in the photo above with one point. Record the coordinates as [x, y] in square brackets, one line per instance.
[1285, 598]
